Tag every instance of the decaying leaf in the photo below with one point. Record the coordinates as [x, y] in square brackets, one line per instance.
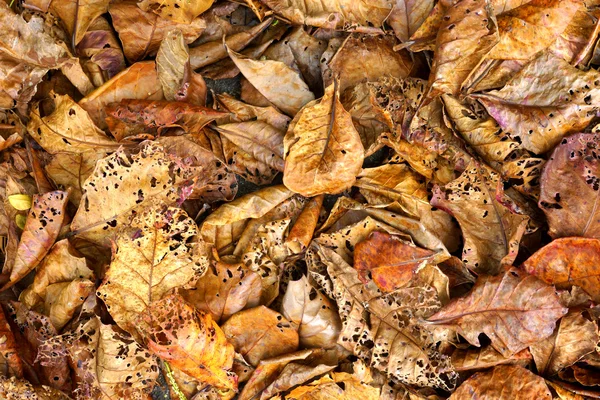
[18, 389]
[71, 170]
[337, 387]
[189, 340]
[407, 16]
[79, 15]
[486, 357]
[323, 151]
[514, 310]
[10, 361]
[176, 10]
[148, 263]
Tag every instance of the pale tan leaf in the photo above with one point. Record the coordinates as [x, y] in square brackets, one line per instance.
[71, 170]
[19, 389]
[476, 359]
[247, 112]
[77, 16]
[407, 16]
[179, 11]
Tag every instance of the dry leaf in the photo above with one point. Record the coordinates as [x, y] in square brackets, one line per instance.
[77, 16]
[19, 389]
[149, 263]
[323, 151]
[514, 310]
[190, 341]
[179, 11]
[487, 357]
[71, 170]
[10, 361]
[247, 112]
[407, 16]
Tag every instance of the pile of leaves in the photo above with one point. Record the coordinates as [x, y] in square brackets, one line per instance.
[300, 199]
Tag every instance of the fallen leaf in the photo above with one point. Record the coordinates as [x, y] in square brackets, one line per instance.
[71, 170]
[189, 340]
[569, 187]
[323, 151]
[149, 263]
[21, 202]
[43, 224]
[259, 333]
[10, 361]
[337, 386]
[17, 389]
[502, 383]
[514, 310]
[487, 357]
[407, 16]
[247, 112]
[179, 11]
[79, 15]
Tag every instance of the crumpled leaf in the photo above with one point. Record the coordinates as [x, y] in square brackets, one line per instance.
[19, 389]
[179, 11]
[139, 81]
[189, 340]
[486, 357]
[247, 112]
[566, 262]
[514, 310]
[108, 363]
[323, 150]
[491, 230]
[562, 101]
[574, 338]
[259, 333]
[289, 93]
[123, 183]
[225, 289]
[42, 227]
[570, 186]
[71, 170]
[68, 128]
[149, 263]
[504, 382]
[391, 341]
[407, 16]
[315, 315]
[142, 32]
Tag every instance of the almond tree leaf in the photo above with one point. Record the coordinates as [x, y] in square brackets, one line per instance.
[43, 224]
[566, 262]
[574, 338]
[525, 174]
[563, 101]
[476, 359]
[315, 315]
[290, 93]
[576, 44]
[189, 340]
[227, 289]
[504, 382]
[323, 150]
[570, 186]
[337, 386]
[142, 32]
[247, 112]
[307, 51]
[139, 81]
[363, 58]
[71, 170]
[514, 310]
[407, 16]
[332, 14]
[467, 33]
[260, 333]
[77, 16]
[302, 232]
[148, 264]
[10, 361]
[179, 11]
[68, 128]
[108, 363]
[18, 389]
[123, 184]
[381, 328]
[491, 231]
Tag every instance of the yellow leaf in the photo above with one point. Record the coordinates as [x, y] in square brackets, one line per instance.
[20, 202]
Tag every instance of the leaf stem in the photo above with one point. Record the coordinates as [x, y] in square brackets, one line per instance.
[172, 382]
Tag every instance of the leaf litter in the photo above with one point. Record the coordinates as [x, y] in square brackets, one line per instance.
[300, 199]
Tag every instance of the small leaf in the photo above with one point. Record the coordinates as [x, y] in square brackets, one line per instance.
[21, 202]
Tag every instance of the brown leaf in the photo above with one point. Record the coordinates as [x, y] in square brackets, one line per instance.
[575, 45]
[18, 389]
[68, 128]
[224, 290]
[122, 184]
[480, 359]
[491, 230]
[337, 386]
[562, 101]
[514, 310]
[10, 361]
[149, 263]
[108, 363]
[44, 221]
[260, 333]
[566, 262]
[294, 374]
[290, 93]
[142, 32]
[574, 338]
[246, 112]
[182, 12]
[77, 16]
[139, 81]
[189, 340]
[71, 170]
[503, 383]
[570, 187]
[315, 315]
[323, 150]
[407, 16]
[525, 173]
[301, 233]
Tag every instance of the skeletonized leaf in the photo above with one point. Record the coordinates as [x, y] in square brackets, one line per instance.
[316, 316]
[505, 382]
[288, 92]
[190, 341]
[148, 264]
[179, 11]
[19, 389]
[42, 227]
[514, 310]
[323, 150]
[570, 187]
